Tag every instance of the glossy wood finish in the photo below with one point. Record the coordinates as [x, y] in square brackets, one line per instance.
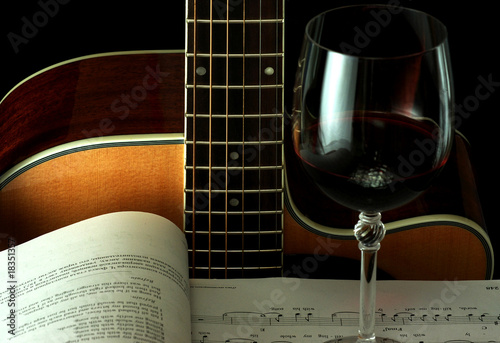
[441, 251]
[94, 96]
[82, 185]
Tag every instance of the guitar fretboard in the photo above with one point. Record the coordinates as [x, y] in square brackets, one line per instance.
[233, 123]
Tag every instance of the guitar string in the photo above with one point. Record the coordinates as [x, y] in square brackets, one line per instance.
[260, 130]
[227, 143]
[243, 142]
[278, 205]
[193, 214]
[281, 106]
[275, 133]
[210, 144]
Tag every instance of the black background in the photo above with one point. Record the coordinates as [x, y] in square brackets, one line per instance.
[80, 28]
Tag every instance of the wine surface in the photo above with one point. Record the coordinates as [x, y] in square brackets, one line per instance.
[371, 161]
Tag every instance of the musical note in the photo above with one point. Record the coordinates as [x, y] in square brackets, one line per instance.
[400, 317]
[341, 319]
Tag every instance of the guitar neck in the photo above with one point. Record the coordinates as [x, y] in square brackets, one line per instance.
[233, 137]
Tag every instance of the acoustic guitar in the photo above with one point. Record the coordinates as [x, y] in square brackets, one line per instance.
[199, 137]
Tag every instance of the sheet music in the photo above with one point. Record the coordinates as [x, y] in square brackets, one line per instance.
[313, 311]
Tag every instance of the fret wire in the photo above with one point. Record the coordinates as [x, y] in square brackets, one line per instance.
[258, 212]
[199, 190]
[210, 143]
[237, 251]
[273, 167]
[235, 191]
[227, 87]
[234, 115]
[257, 55]
[235, 233]
[237, 21]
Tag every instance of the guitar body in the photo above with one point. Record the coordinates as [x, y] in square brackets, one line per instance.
[98, 159]
[106, 133]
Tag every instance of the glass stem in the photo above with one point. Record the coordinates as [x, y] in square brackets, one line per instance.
[369, 231]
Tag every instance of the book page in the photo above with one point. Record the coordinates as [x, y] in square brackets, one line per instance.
[314, 311]
[120, 277]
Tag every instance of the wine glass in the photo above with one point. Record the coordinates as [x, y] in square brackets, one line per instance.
[372, 123]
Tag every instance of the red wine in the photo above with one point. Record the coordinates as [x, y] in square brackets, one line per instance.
[372, 161]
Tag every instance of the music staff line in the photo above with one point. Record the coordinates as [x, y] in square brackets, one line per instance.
[342, 319]
[249, 340]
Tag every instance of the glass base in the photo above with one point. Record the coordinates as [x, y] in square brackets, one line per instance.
[355, 339]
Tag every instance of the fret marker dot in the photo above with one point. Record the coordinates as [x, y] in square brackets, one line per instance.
[234, 155]
[201, 71]
[269, 71]
[234, 202]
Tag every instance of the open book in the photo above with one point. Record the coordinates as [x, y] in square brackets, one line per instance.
[123, 277]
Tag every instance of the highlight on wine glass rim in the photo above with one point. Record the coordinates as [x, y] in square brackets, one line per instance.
[371, 31]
